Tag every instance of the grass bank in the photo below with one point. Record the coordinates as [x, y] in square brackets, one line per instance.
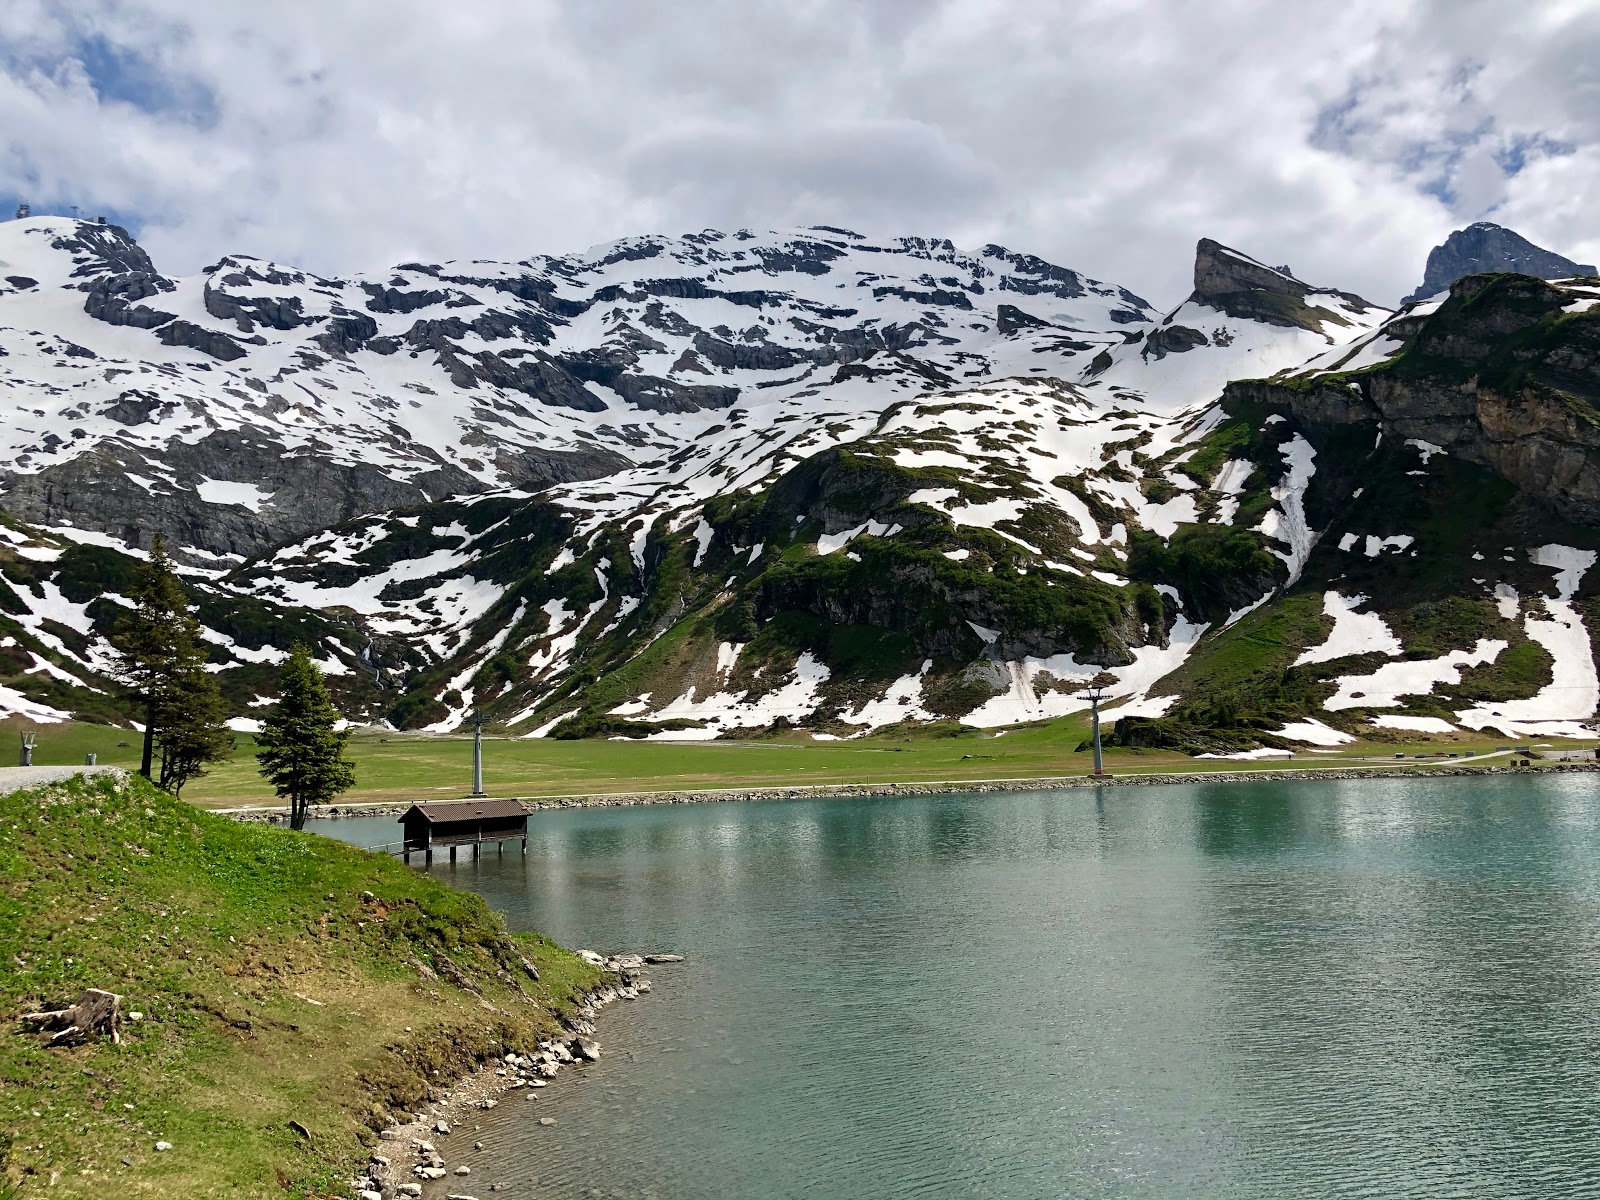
[282, 978]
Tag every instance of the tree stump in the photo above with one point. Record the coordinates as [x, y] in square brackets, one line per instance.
[96, 1012]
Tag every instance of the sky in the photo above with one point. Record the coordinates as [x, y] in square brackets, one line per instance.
[1343, 138]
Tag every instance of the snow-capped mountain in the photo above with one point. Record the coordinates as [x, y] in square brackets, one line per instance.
[255, 402]
[694, 486]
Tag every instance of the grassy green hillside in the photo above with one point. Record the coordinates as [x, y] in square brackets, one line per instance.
[278, 978]
[394, 768]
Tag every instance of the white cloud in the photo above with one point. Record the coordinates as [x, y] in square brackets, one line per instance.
[1345, 138]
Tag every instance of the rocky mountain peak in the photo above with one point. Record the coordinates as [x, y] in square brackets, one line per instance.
[1484, 247]
[1232, 282]
[1220, 271]
[72, 252]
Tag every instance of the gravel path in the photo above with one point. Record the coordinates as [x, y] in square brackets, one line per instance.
[12, 778]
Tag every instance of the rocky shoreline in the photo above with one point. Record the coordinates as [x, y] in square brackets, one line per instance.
[429, 1149]
[947, 787]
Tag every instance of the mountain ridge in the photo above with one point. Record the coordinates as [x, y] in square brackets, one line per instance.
[1485, 247]
[721, 484]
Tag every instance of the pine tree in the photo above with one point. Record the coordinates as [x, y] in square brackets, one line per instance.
[158, 645]
[301, 750]
[194, 730]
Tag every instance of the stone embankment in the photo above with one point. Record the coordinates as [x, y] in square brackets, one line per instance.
[434, 1143]
[943, 787]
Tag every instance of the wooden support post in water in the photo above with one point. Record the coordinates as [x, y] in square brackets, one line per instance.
[524, 845]
[452, 855]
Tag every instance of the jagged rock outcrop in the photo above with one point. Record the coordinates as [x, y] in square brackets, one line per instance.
[1236, 284]
[197, 337]
[1172, 339]
[1484, 247]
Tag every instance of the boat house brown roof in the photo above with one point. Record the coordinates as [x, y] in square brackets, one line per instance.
[448, 811]
[454, 823]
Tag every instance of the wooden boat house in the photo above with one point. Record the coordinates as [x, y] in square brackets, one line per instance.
[456, 823]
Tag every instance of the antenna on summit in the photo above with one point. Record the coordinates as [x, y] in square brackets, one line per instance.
[24, 210]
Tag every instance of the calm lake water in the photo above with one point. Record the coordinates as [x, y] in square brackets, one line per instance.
[1368, 988]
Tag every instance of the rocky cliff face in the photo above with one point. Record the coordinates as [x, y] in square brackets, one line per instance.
[1505, 373]
[1236, 284]
[1486, 247]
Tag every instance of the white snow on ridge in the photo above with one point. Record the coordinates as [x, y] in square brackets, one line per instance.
[1025, 700]
[1287, 522]
[1377, 545]
[793, 700]
[1234, 349]
[1573, 692]
[703, 533]
[1352, 633]
[908, 457]
[1229, 484]
[1384, 687]
[14, 704]
[223, 491]
[1570, 565]
[1414, 724]
[545, 729]
[902, 701]
[830, 542]
[1315, 732]
[1426, 449]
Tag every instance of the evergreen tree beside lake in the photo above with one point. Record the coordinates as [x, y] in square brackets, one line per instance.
[161, 666]
[301, 747]
[194, 730]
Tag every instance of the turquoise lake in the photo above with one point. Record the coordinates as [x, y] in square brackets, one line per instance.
[1375, 988]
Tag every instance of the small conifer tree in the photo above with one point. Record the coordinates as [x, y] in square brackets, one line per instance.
[301, 748]
[158, 647]
[194, 730]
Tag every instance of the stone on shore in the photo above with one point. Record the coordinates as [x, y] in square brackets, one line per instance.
[588, 1048]
[663, 958]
